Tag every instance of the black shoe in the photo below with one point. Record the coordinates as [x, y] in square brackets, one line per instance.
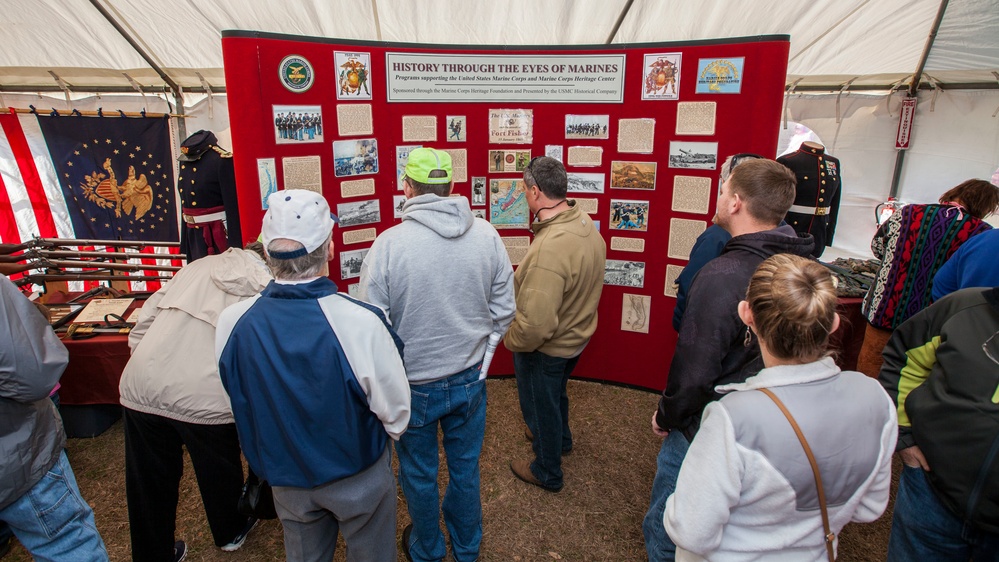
[179, 551]
[5, 548]
[233, 546]
[406, 533]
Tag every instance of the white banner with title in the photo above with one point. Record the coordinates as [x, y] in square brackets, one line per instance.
[420, 77]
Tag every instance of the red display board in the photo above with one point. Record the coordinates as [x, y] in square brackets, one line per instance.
[728, 100]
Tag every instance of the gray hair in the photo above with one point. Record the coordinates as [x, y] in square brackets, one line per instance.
[257, 248]
[302, 267]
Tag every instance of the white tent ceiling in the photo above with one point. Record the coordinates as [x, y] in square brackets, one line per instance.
[873, 43]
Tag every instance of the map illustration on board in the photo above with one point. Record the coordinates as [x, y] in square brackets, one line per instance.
[507, 204]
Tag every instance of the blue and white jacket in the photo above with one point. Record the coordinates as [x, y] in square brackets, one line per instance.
[316, 381]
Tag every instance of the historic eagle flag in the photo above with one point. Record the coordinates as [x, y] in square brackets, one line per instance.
[34, 190]
[115, 174]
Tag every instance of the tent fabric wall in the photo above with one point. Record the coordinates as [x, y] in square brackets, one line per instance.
[953, 139]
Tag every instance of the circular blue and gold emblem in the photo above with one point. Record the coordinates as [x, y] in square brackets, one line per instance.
[296, 73]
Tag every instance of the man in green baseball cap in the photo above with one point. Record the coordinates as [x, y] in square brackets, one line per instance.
[428, 166]
[445, 280]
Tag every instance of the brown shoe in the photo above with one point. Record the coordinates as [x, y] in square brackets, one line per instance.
[522, 470]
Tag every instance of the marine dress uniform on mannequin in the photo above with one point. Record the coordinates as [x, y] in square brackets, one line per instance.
[816, 200]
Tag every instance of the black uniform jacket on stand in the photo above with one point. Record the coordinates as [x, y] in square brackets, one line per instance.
[816, 201]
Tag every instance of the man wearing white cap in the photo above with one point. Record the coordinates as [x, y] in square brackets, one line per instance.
[317, 386]
[445, 280]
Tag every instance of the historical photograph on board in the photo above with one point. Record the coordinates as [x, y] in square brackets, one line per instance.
[455, 128]
[694, 155]
[662, 76]
[350, 263]
[355, 157]
[586, 126]
[633, 175]
[478, 191]
[585, 182]
[502, 161]
[297, 123]
[353, 75]
[629, 215]
[624, 273]
[398, 202]
[359, 212]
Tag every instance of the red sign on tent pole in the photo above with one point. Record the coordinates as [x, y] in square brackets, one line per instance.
[905, 123]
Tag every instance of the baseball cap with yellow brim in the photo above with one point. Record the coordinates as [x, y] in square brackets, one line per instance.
[423, 161]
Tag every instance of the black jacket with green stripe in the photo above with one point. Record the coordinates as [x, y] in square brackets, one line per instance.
[942, 371]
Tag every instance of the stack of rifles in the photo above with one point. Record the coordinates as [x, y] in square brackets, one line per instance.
[58, 259]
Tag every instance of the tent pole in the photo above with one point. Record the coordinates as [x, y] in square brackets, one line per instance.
[142, 53]
[620, 20]
[896, 177]
[918, 76]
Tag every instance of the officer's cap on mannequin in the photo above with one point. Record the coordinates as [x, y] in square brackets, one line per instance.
[196, 145]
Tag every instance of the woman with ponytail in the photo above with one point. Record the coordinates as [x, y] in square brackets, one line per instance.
[747, 489]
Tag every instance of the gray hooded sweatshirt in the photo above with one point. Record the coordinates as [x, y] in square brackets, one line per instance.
[446, 283]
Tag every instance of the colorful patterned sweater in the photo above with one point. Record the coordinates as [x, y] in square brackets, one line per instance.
[912, 245]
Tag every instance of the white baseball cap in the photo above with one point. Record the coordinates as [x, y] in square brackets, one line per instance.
[300, 215]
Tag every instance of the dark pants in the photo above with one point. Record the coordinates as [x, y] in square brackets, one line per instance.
[154, 463]
[922, 528]
[541, 386]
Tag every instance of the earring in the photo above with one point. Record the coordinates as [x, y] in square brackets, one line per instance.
[749, 337]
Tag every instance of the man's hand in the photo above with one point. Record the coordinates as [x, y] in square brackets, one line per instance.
[655, 426]
[913, 457]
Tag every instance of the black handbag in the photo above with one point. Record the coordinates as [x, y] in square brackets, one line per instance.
[257, 500]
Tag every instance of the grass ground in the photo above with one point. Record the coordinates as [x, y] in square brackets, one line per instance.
[597, 516]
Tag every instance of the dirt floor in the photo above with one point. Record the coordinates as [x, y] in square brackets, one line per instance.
[597, 516]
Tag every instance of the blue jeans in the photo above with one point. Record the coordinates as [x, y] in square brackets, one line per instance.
[53, 521]
[922, 528]
[541, 386]
[458, 403]
[657, 543]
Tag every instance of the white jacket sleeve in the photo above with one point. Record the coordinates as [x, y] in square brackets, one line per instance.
[708, 487]
[375, 355]
[874, 502]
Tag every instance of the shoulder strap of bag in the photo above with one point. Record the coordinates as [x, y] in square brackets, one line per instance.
[829, 535]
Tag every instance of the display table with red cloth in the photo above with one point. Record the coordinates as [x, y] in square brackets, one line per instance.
[88, 393]
[88, 396]
[95, 366]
